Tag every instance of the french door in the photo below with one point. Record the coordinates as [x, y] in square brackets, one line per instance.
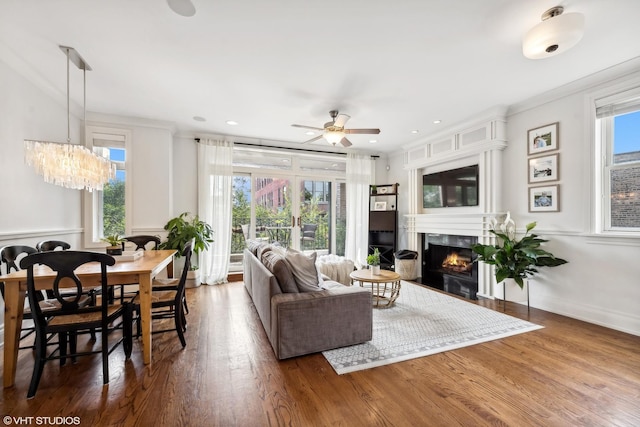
[306, 213]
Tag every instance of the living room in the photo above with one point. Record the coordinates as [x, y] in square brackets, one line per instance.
[598, 285]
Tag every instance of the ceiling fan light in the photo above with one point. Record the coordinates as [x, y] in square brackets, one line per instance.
[555, 34]
[333, 137]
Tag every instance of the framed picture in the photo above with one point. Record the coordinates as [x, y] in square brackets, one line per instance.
[543, 139]
[544, 168]
[544, 199]
[380, 206]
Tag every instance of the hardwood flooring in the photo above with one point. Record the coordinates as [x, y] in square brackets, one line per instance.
[570, 373]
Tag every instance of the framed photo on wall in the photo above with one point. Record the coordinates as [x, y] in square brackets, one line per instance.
[380, 206]
[544, 168]
[544, 199]
[544, 138]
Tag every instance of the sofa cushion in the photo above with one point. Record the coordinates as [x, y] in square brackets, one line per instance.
[277, 265]
[254, 244]
[304, 270]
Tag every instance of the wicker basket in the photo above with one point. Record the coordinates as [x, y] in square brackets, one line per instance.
[406, 268]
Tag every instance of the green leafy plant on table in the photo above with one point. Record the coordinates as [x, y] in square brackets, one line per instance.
[513, 258]
[374, 258]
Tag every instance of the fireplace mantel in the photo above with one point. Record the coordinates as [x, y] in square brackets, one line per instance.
[481, 143]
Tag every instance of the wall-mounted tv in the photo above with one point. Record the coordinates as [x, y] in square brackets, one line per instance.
[451, 188]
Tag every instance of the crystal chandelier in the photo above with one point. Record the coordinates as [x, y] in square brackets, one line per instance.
[65, 164]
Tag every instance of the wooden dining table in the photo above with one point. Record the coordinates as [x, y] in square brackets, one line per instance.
[141, 271]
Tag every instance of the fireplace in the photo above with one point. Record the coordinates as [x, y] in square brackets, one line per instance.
[448, 264]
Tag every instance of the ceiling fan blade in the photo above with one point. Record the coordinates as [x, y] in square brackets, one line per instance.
[307, 127]
[341, 120]
[314, 139]
[345, 142]
[363, 131]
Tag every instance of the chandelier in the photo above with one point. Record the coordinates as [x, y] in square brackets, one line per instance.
[65, 164]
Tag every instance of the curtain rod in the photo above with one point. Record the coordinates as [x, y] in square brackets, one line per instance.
[247, 144]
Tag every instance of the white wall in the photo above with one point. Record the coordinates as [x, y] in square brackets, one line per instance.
[33, 210]
[600, 282]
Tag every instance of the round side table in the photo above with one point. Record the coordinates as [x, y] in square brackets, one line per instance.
[385, 287]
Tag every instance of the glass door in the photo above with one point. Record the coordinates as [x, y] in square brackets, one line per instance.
[314, 224]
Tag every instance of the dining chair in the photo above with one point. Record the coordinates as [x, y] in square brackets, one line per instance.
[141, 241]
[71, 314]
[9, 255]
[167, 302]
[52, 245]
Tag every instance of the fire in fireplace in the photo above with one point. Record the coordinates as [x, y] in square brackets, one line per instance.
[456, 263]
[448, 264]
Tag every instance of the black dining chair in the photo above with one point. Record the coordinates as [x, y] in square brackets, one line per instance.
[168, 302]
[71, 314]
[52, 245]
[10, 255]
[142, 241]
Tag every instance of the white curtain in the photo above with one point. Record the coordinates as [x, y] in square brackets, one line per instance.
[215, 175]
[360, 170]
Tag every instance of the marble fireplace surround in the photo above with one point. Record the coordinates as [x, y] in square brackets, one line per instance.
[480, 142]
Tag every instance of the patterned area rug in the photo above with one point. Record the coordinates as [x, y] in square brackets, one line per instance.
[423, 322]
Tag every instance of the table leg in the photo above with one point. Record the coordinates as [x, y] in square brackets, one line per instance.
[145, 316]
[13, 311]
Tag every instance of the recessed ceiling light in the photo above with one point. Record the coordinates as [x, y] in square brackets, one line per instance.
[232, 122]
[199, 119]
[415, 131]
[436, 122]
[335, 165]
[373, 141]
[309, 132]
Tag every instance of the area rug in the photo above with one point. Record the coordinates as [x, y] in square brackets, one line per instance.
[424, 322]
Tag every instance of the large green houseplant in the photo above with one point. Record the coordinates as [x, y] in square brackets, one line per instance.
[184, 228]
[513, 258]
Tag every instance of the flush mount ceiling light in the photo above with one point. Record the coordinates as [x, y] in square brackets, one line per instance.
[182, 7]
[65, 164]
[556, 33]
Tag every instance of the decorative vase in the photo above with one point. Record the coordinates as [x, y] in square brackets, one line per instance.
[375, 270]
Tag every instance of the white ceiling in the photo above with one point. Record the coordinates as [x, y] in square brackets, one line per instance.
[396, 65]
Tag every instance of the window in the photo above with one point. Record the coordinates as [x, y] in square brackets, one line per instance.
[618, 149]
[107, 211]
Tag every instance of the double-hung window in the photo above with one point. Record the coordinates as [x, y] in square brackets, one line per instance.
[107, 212]
[618, 161]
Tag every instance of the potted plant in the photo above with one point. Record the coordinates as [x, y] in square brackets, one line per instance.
[115, 244]
[513, 258]
[373, 260]
[184, 228]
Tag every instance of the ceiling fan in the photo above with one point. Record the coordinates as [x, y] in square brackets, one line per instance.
[334, 130]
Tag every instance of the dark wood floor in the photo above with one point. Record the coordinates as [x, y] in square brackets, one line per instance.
[570, 373]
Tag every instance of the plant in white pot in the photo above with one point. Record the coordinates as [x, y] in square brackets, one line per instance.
[115, 244]
[183, 229]
[513, 258]
[374, 261]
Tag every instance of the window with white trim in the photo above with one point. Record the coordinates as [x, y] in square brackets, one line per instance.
[618, 162]
[107, 212]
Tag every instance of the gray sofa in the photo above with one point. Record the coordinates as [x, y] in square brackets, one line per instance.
[311, 321]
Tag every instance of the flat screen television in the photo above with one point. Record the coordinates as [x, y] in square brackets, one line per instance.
[451, 188]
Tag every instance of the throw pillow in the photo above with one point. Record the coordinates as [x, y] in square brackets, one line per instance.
[304, 270]
[276, 264]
